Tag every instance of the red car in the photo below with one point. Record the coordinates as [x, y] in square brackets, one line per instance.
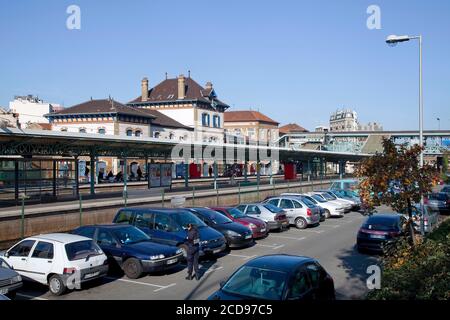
[258, 227]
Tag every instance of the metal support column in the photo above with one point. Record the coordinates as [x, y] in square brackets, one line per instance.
[54, 179]
[215, 174]
[186, 175]
[125, 180]
[77, 177]
[92, 172]
[16, 181]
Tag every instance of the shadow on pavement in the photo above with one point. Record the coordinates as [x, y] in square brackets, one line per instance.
[355, 265]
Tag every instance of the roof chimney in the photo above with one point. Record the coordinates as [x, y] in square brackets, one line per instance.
[208, 85]
[181, 87]
[144, 88]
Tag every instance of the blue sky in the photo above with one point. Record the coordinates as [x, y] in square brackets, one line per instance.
[296, 61]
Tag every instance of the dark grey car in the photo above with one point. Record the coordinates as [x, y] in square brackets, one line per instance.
[10, 280]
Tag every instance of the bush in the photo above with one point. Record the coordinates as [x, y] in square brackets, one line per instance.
[421, 272]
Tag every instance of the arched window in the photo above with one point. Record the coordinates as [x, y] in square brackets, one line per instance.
[82, 130]
[129, 132]
[156, 135]
[138, 133]
[64, 129]
[171, 135]
[101, 131]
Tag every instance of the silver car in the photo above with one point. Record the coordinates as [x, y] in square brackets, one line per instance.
[274, 217]
[300, 212]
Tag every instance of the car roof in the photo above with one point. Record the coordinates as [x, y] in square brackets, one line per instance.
[384, 216]
[279, 262]
[109, 226]
[155, 210]
[60, 237]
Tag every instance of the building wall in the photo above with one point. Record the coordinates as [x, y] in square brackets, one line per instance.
[30, 111]
[255, 131]
[93, 127]
[165, 133]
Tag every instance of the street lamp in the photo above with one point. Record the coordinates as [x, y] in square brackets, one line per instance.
[439, 123]
[393, 40]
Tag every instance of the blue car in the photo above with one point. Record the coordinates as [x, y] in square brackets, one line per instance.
[169, 226]
[131, 249]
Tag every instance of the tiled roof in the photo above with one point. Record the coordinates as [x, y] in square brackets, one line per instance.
[167, 90]
[292, 127]
[246, 116]
[101, 106]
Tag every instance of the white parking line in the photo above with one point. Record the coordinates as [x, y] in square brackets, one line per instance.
[144, 283]
[213, 269]
[241, 256]
[313, 231]
[30, 297]
[274, 246]
[170, 285]
[330, 226]
[285, 237]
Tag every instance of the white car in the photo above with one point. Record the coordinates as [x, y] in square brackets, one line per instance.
[58, 260]
[331, 209]
[327, 197]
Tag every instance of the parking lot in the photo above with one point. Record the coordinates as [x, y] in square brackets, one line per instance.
[331, 243]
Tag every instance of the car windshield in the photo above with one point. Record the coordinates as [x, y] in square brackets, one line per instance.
[236, 213]
[130, 235]
[272, 208]
[381, 223]
[328, 196]
[184, 218]
[214, 216]
[257, 283]
[3, 264]
[318, 198]
[308, 202]
[82, 249]
[310, 199]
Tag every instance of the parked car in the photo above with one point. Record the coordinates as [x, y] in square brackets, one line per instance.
[257, 226]
[446, 189]
[346, 184]
[10, 280]
[278, 277]
[58, 260]
[378, 230]
[439, 201]
[131, 249]
[330, 209]
[236, 235]
[430, 219]
[169, 226]
[300, 212]
[327, 197]
[349, 194]
[341, 195]
[274, 217]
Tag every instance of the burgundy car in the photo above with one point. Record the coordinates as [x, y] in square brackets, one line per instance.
[258, 227]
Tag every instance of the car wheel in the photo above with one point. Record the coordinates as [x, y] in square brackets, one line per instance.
[327, 214]
[133, 268]
[56, 285]
[300, 223]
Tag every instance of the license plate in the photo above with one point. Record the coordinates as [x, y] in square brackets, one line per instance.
[263, 230]
[172, 261]
[91, 275]
[377, 236]
[3, 291]
[248, 236]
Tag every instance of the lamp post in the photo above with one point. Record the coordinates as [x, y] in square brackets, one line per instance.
[393, 40]
[439, 123]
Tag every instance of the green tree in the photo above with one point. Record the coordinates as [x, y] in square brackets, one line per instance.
[394, 178]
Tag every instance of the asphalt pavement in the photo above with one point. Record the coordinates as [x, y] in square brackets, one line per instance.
[332, 244]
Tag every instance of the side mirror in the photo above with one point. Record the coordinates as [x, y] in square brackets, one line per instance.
[6, 254]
